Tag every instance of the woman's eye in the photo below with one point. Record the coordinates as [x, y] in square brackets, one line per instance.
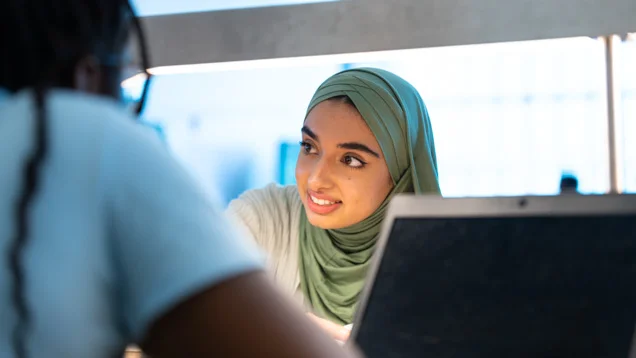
[353, 162]
[307, 148]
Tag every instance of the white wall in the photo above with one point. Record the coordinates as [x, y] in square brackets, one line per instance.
[226, 126]
[508, 118]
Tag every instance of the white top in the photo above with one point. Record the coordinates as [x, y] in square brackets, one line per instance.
[270, 216]
[119, 232]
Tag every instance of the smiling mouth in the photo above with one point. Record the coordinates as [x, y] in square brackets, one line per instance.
[323, 202]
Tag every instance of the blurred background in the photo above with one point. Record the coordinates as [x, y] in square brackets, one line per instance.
[508, 118]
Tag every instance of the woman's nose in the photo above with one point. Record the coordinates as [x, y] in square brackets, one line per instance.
[321, 176]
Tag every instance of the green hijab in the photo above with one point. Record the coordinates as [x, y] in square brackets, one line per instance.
[334, 263]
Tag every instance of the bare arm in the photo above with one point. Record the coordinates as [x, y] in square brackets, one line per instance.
[335, 331]
[241, 317]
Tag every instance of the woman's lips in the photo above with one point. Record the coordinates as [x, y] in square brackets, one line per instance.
[321, 204]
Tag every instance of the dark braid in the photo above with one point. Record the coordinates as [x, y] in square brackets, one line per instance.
[31, 183]
[145, 59]
[44, 41]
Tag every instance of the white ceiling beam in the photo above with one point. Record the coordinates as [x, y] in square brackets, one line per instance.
[351, 26]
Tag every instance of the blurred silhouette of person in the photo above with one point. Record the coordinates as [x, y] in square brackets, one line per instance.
[106, 240]
[569, 184]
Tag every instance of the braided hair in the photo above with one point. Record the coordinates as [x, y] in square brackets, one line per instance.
[43, 42]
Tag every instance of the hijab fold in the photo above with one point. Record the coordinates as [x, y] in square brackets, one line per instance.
[334, 263]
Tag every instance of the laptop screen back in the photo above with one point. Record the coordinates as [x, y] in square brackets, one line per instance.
[504, 287]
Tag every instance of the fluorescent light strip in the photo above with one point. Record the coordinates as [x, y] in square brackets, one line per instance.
[277, 63]
[268, 64]
[147, 8]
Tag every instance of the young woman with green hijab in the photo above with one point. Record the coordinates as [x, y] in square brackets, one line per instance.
[366, 137]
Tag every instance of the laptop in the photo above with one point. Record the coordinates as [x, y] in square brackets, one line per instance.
[502, 277]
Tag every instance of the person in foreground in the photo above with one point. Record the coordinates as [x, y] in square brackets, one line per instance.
[105, 240]
[366, 137]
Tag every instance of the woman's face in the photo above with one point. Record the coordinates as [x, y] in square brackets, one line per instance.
[341, 174]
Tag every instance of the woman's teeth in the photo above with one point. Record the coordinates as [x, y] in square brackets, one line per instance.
[322, 202]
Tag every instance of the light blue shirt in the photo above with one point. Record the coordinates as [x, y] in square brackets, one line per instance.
[119, 232]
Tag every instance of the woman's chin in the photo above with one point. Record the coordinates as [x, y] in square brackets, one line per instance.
[321, 221]
[324, 222]
[331, 221]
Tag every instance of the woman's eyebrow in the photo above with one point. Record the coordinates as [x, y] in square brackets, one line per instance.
[310, 133]
[348, 145]
[358, 146]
